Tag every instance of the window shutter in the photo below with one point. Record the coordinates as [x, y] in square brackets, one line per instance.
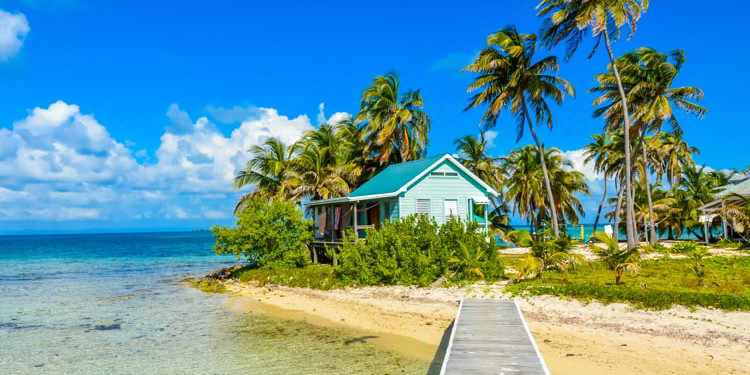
[423, 207]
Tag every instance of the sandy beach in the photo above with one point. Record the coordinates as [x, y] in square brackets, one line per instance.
[574, 338]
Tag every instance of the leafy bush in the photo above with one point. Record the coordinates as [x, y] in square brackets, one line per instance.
[416, 251]
[686, 247]
[270, 235]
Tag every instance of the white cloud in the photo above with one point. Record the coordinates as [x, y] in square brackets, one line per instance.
[321, 114]
[334, 119]
[61, 164]
[490, 136]
[338, 117]
[13, 30]
[578, 157]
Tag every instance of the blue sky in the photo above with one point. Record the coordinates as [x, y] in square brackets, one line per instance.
[120, 115]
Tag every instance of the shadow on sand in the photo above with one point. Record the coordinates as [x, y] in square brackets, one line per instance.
[437, 361]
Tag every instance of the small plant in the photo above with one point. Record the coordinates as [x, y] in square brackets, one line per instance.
[519, 238]
[552, 254]
[685, 247]
[617, 259]
[697, 265]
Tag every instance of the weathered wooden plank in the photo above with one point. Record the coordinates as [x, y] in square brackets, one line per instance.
[491, 337]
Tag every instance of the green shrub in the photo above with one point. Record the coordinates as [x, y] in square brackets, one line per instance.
[416, 251]
[315, 276]
[638, 297]
[656, 248]
[685, 247]
[270, 235]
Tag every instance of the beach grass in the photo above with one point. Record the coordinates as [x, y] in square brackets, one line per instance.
[316, 276]
[660, 284]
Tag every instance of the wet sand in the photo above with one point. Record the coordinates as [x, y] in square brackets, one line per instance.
[573, 338]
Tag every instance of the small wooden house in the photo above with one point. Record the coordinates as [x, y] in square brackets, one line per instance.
[439, 187]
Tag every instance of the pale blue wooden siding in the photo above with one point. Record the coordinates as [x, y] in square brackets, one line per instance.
[438, 189]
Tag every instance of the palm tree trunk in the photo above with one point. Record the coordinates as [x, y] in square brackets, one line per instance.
[626, 130]
[650, 234]
[550, 197]
[601, 204]
[635, 222]
[619, 207]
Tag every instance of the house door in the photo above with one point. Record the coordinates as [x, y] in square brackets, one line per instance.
[450, 207]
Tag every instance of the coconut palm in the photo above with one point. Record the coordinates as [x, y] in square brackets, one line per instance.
[394, 121]
[354, 150]
[311, 177]
[523, 175]
[597, 151]
[677, 155]
[472, 153]
[738, 213]
[648, 77]
[508, 78]
[570, 20]
[266, 171]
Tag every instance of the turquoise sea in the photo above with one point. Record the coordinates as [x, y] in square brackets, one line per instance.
[114, 304]
[588, 229]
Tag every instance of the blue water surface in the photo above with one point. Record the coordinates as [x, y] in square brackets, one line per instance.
[115, 304]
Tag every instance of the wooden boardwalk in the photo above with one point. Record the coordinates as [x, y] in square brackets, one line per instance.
[491, 337]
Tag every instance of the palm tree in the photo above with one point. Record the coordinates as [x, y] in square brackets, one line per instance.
[394, 121]
[311, 177]
[695, 189]
[354, 150]
[508, 78]
[524, 186]
[677, 155]
[597, 151]
[266, 171]
[617, 259]
[569, 20]
[523, 175]
[648, 76]
[738, 212]
[472, 153]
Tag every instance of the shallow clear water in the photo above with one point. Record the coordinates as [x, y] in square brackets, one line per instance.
[114, 303]
[588, 229]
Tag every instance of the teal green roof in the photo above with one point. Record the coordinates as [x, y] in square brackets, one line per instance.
[394, 177]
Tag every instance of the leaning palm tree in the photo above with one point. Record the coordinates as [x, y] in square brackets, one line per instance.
[394, 121]
[647, 77]
[570, 20]
[266, 171]
[597, 151]
[508, 78]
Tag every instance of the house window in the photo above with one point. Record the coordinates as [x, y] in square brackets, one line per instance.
[387, 209]
[423, 207]
[450, 207]
[444, 174]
